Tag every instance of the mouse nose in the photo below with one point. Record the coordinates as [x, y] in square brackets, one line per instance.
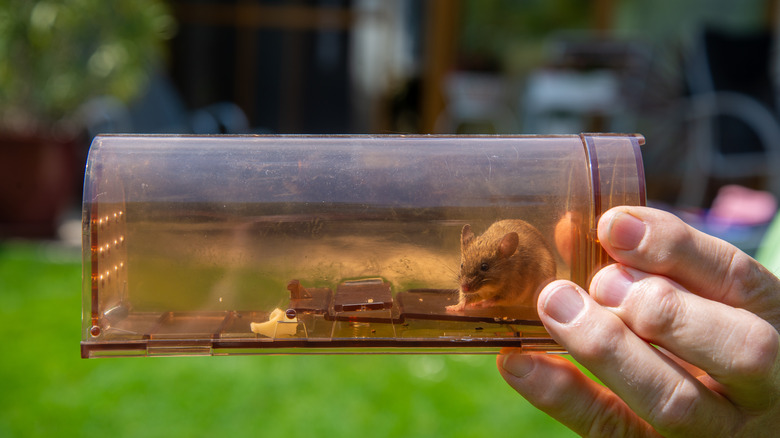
[465, 287]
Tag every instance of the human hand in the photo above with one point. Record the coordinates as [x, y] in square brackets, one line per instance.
[712, 311]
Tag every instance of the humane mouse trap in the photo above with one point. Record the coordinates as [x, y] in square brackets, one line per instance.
[301, 244]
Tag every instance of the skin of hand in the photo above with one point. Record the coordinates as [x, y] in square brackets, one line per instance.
[682, 332]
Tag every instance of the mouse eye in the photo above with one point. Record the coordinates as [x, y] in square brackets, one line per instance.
[484, 267]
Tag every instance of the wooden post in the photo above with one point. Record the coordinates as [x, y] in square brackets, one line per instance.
[441, 23]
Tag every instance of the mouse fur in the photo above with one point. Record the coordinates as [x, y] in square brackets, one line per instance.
[506, 265]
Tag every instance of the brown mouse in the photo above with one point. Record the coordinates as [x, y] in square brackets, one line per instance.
[505, 266]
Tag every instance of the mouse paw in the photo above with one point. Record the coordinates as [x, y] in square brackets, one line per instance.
[456, 308]
[484, 304]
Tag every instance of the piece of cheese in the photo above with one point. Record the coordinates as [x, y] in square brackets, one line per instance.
[278, 325]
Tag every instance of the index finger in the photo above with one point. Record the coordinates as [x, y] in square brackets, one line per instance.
[658, 242]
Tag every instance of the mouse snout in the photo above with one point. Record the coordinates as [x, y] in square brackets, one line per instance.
[465, 287]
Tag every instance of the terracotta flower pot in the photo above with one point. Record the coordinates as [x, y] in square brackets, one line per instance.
[38, 182]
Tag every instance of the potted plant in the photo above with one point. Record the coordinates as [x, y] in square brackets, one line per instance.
[55, 56]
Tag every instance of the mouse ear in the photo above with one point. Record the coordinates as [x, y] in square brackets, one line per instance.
[508, 244]
[466, 236]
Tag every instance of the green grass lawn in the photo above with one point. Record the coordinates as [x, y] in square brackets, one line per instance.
[48, 390]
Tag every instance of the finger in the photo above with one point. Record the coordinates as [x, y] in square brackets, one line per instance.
[652, 385]
[557, 387]
[695, 371]
[657, 242]
[735, 347]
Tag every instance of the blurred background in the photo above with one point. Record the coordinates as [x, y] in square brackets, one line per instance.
[697, 78]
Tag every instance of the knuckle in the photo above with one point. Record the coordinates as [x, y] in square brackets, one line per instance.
[608, 418]
[739, 273]
[605, 335]
[758, 357]
[670, 246]
[605, 422]
[558, 393]
[659, 308]
[747, 278]
[740, 267]
[674, 411]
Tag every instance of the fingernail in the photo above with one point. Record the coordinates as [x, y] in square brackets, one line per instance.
[612, 286]
[625, 231]
[518, 364]
[564, 304]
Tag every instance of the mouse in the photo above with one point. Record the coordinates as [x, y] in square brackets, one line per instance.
[507, 265]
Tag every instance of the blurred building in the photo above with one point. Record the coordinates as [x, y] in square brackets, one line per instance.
[314, 66]
[698, 78]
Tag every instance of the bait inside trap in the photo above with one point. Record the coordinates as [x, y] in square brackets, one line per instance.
[217, 245]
